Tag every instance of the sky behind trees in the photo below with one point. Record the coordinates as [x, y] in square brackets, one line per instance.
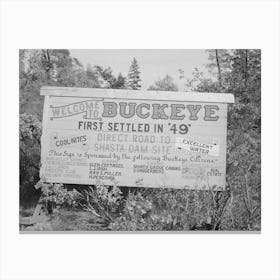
[154, 64]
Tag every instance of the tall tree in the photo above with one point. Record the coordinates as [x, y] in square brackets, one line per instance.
[120, 81]
[165, 84]
[52, 67]
[107, 79]
[92, 77]
[240, 74]
[198, 82]
[219, 68]
[220, 64]
[246, 73]
[134, 75]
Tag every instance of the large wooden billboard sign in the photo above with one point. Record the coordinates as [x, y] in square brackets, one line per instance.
[134, 138]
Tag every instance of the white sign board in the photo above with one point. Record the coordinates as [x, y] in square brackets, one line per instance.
[134, 138]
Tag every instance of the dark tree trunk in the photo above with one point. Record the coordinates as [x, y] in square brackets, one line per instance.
[246, 69]
[219, 68]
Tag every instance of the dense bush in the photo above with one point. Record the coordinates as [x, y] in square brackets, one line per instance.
[55, 196]
[30, 131]
[153, 209]
[103, 202]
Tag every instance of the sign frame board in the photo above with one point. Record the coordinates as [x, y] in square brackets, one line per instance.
[134, 138]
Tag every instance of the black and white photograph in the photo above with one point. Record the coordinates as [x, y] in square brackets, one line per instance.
[140, 140]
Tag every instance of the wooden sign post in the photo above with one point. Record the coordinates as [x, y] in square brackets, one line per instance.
[134, 138]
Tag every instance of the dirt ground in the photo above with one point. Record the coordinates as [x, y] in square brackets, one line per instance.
[64, 220]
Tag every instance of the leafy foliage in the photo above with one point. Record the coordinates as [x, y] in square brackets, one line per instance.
[239, 72]
[30, 131]
[108, 80]
[46, 67]
[56, 195]
[103, 202]
[165, 84]
[156, 209]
